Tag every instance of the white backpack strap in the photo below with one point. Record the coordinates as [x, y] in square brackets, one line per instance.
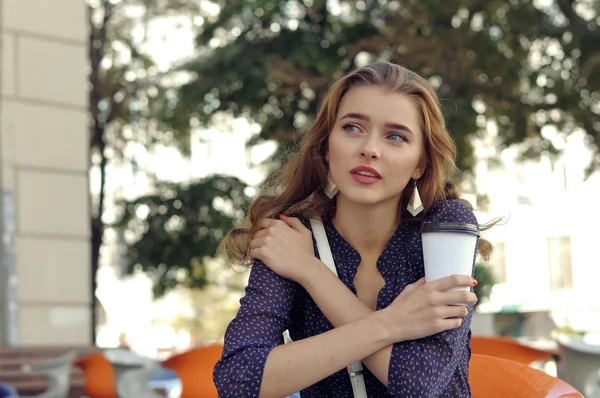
[355, 370]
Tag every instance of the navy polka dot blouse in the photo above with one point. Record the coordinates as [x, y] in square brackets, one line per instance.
[434, 366]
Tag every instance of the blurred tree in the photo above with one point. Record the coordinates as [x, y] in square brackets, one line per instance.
[486, 282]
[170, 233]
[271, 61]
[562, 89]
[126, 93]
[522, 64]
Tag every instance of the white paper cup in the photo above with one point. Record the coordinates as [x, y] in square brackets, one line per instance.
[448, 249]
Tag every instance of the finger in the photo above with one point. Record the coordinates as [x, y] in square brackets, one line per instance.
[451, 281]
[459, 296]
[450, 323]
[260, 234]
[256, 243]
[265, 223]
[453, 311]
[254, 253]
[293, 222]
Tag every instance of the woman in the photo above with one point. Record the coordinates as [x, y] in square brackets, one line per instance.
[378, 144]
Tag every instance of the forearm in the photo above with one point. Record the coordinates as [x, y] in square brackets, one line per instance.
[293, 367]
[342, 307]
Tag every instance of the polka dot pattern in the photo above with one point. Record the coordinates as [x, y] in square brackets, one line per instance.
[435, 366]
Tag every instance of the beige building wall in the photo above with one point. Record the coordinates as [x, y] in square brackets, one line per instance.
[44, 179]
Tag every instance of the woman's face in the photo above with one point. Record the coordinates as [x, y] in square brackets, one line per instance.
[376, 145]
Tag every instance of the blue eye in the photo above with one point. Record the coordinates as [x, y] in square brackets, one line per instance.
[351, 128]
[397, 137]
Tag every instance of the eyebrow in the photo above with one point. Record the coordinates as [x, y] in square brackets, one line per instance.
[360, 116]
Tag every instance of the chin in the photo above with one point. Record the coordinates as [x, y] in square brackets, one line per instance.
[369, 198]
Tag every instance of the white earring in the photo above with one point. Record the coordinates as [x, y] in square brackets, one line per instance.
[415, 206]
[331, 189]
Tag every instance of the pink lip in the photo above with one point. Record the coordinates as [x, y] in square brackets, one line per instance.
[365, 179]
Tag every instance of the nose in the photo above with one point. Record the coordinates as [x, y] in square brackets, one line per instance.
[371, 150]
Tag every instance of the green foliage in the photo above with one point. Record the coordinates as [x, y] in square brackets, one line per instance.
[485, 280]
[128, 92]
[172, 232]
[272, 60]
[127, 96]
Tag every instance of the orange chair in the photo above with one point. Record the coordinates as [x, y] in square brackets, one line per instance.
[99, 376]
[492, 377]
[503, 347]
[195, 368]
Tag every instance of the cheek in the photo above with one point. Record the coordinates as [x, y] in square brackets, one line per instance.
[405, 167]
[335, 148]
[403, 176]
[413, 160]
[403, 182]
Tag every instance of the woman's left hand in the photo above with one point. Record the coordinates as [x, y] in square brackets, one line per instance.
[285, 246]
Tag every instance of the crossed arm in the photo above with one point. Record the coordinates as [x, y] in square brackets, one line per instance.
[256, 363]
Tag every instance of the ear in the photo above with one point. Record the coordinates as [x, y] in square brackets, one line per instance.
[418, 173]
[420, 170]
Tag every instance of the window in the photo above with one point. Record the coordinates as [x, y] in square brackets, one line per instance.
[559, 258]
[497, 262]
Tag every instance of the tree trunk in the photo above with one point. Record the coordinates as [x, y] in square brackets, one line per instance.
[97, 238]
[97, 41]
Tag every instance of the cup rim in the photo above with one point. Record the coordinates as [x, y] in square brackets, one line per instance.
[437, 226]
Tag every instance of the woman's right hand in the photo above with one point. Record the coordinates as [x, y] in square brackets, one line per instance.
[424, 309]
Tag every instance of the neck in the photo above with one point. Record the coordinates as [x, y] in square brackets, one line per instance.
[366, 228]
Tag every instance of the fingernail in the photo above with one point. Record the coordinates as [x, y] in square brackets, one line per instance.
[475, 282]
